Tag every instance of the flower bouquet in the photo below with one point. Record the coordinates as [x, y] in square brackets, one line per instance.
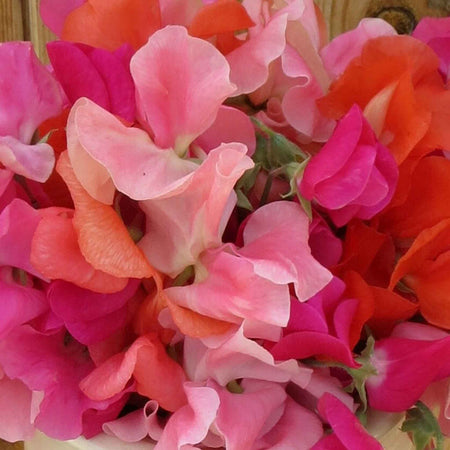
[220, 230]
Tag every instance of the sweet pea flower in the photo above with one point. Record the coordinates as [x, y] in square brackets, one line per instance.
[407, 362]
[394, 82]
[29, 95]
[147, 363]
[170, 118]
[107, 24]
[235, 357]
[424, 269]
[353, 175]
[435, 32]
[29, 356]
[100, 75]
[167, 179]
[347, 430]
[325, 246]
[275, 253]
[320, 326]
[90, 317]
[337, 54]
[54, 12]
[261, 415]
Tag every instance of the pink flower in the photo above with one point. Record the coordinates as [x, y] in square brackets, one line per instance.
[28, 95]
[58, 405]
[353, 175]
[348, 431]
[236, 357]
[90, 316]
[147, 362]
[54, 12]
[180, 83]
[435, 32]
[320, 326]
[261, 416]
[346, 46]
[18, 223]
[325, 246]
[407, 362]
[250, 284]
[15, 410]
[100, 75]
[190, 218]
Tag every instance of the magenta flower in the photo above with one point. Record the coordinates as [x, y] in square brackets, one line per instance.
[90, 316]
[407, 362]
[102, 76]
[353, 175]
[55, 12]
[320, 326]
[435, 32]
[325, 246]
[348, 433]
[58, 405]
[29, 94]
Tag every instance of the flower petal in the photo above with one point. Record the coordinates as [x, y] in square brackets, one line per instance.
[180, 82]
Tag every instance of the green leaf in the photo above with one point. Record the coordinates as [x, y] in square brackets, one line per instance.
[423, 427]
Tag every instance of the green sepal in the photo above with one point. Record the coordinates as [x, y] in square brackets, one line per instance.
[273, 150]
[423, 427]
[43, 140]
[294, 172]
[362, 373]
[243, 201]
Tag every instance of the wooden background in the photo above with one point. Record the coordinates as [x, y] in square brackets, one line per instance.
[19, 20]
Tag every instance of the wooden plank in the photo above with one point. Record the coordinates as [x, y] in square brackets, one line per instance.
[344, 15]
[37, 32]
[7, 446]
[11, 23]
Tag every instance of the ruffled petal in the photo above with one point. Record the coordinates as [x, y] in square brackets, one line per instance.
[180, 82]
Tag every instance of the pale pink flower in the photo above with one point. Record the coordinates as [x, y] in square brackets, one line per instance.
[343, 48]
[29, 94]
[180, 83]
[54, 12]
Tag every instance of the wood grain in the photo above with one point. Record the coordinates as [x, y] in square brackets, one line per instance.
[344, 15]
[7, 446]
[11, 20]
[37, 32]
